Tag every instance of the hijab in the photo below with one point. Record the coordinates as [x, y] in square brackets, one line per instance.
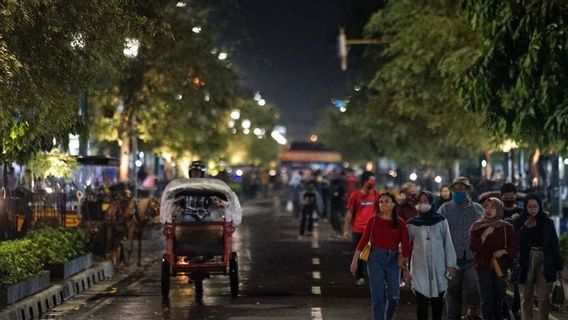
[496, 221]
[540, 216]
[428, 218]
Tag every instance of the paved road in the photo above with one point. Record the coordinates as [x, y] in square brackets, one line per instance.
[281, 277]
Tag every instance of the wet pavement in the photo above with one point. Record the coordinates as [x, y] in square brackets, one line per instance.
[281, 277]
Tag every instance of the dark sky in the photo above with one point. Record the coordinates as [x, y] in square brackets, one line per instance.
[287, 50]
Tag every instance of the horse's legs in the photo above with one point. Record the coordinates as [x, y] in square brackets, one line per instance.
[140, 247]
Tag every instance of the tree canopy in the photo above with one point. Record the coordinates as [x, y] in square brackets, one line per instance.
[521, 75]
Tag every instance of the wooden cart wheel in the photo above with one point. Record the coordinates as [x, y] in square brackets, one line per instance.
[234, 274]
[165, 278]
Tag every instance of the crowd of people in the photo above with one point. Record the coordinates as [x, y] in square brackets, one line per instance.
[446, 248]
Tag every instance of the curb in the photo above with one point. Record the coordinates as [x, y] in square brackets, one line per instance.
[38, 304]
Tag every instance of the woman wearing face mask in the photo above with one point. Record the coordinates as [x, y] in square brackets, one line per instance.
[388, 232]
[433, 258]
[539, 259]
[494, 244]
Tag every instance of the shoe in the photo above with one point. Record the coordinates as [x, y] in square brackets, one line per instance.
[360, 282]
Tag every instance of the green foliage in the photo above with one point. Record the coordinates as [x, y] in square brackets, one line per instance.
[52, 164]
[43, 67]
[59, 245]
[411, 111]
[19, 260]
[521, 76]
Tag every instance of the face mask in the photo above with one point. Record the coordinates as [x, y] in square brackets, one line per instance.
[459, 197]
[424, 207]
[371, 185]
[385, 207]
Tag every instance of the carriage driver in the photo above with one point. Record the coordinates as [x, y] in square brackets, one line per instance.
[197, 208]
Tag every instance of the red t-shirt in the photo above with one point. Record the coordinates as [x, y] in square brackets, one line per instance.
[385, 236]
[362, 207]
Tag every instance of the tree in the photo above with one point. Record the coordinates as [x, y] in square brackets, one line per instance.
[49, 52]
[174, 93]
[521, 75]
[414, 115]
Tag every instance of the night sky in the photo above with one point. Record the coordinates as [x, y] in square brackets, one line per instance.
[287, 50]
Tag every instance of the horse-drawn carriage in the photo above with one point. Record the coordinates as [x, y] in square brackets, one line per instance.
[199, 217]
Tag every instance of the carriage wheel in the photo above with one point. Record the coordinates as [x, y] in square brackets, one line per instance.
[165, 278]
[234, 274]
[199, 289]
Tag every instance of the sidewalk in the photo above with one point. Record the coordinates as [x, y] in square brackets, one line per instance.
[70, 294]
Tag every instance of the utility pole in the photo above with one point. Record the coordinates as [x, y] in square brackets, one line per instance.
[343, 42]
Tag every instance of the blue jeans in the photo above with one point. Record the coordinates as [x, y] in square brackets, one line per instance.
[383, 270]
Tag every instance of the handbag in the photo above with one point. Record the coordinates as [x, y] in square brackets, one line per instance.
[364, 255]
[558, 295]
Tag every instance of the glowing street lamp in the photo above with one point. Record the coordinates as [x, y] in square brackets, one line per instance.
[413, 176]
[235, 114]
[246, 124]
[261, 102]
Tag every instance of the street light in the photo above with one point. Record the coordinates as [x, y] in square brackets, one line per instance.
[413, 176]
[261, 102]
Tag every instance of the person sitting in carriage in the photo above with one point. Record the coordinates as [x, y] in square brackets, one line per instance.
[197, 208]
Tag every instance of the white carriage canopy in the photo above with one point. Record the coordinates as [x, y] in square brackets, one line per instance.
[202, 186]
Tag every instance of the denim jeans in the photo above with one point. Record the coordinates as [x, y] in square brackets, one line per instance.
[383, 270]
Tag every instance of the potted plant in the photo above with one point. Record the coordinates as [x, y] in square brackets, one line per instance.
[21, 271]
[63, 251]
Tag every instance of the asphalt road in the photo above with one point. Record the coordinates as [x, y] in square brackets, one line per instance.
[281, 277]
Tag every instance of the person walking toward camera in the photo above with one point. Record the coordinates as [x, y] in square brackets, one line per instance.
[360, 208]
[539, 259]
[386, 232]
[433, 258]
[461, 213]
[495, 246]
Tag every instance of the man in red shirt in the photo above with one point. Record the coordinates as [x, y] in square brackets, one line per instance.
[360, 208]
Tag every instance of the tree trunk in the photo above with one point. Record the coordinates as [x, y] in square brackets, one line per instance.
[488, 167]
[535, 175]
[124, 156]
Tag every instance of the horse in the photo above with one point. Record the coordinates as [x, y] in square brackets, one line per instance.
[145, 210]
[115, 223]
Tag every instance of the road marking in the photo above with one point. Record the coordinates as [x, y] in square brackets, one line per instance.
[316, 314]
[315, 244]
[316, 275]
[315, 261]
[316, 290]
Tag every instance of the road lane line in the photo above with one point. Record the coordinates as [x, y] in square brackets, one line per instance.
[316, 275]
[315, 244]
[316, 290]
[316, 314]
[315, 261]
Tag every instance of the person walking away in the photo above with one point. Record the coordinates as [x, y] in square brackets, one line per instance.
[407, 202]
[433, 258]
[309, 205]
[511, 214]
[494, 244]
[461, 213]
[295, 187]
[539, 259]
[337, 194]
[386, 232]
[360, 208]
[445, 196]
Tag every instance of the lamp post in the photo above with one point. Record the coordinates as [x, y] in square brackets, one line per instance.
[131, 46]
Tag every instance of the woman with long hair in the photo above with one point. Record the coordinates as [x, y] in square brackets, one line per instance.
[539, 259]
[385, 231]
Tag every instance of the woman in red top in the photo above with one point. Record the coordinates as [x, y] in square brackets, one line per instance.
[494, 244]
[386, 231]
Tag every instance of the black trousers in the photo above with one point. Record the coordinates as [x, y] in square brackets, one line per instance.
[492, 290]
[309, 214]
[422, 303]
